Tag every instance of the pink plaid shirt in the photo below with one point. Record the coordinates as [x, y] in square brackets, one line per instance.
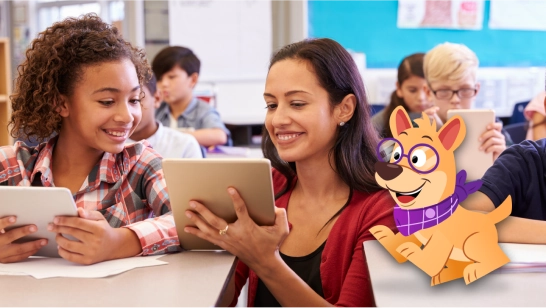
[127, 188]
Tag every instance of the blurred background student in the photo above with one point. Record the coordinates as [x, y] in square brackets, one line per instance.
[177, 71]
[536, 115]
[450, 70]
[410, 93]
[168, 142]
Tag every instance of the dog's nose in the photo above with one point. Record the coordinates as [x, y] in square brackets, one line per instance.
[387, 171]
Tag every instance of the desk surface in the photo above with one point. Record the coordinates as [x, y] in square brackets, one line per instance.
[404, 284]
[190, 279]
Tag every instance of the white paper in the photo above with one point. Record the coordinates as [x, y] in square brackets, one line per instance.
[443, 14]
[524, 253]
[517, 15]
[41, 268]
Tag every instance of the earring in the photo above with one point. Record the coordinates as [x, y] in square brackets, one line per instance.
[341, 123]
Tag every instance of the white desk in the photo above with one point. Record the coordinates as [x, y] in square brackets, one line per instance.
[190, 279]
[405, 285]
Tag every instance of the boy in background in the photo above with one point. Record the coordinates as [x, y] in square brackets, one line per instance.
[450, 70]
[177, 72]
[168, 142]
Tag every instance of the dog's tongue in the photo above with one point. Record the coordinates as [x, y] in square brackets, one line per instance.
[405, 199]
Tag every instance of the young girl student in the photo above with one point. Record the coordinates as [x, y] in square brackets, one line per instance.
[409, 93]
[536, 115]
[322, 145]
[83, 81]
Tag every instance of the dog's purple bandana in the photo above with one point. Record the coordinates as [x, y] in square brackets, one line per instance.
[411, 221]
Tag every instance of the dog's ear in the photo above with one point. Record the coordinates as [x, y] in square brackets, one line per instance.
[452, 133]
[399, 121]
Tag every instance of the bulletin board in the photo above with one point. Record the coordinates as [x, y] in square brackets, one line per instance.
[370, 27]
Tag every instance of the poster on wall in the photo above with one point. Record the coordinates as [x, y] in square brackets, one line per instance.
[441, 14]
[517, 15]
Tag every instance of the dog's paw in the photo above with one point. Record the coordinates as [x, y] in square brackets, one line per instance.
[436, 280]
[381, 232]
[474, 272]
[408, 250]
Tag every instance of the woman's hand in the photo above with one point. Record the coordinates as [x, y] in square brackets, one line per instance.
[92, 239]
[493, 140]
[10, 252]
[256, 246]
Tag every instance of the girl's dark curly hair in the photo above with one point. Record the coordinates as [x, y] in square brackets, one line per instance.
[54, 64]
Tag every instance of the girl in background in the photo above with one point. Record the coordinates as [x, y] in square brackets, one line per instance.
[409, 93]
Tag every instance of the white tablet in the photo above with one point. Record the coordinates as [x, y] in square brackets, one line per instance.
[467, 155]
[38, 206]
[207, 180]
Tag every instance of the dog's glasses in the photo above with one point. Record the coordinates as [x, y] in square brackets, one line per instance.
[422, 157]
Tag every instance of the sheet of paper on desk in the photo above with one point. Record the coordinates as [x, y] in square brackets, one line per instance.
[524, 258]
[57, 267]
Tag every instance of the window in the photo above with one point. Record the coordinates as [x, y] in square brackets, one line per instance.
[51, 11]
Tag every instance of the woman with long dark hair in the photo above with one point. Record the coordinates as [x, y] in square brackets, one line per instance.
[321, 143]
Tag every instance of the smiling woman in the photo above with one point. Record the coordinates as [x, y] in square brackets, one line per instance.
[321, 143]
[82, 81]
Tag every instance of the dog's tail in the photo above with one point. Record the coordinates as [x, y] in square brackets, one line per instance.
[504, 210]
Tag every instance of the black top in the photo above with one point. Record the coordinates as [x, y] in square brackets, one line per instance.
[307, 267]
[520, 171]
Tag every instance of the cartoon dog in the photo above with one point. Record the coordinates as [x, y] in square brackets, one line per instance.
[417, 166]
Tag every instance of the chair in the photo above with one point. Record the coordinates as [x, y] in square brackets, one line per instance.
[518, 131]
[376, 108]
[517, 114]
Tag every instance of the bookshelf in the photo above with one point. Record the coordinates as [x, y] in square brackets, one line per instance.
[5, 91]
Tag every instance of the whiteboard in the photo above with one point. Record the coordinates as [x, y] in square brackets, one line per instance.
[233, 39]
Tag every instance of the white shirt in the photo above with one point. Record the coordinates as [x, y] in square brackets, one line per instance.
[171, 143]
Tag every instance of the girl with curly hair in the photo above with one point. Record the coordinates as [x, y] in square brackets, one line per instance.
[82, 81]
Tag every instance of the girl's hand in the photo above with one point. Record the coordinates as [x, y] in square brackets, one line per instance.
[432, 112]
[493, 140]
[256, 246]
[10, 252]
[92, 239]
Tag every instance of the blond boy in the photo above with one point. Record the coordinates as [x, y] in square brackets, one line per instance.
[450, 70]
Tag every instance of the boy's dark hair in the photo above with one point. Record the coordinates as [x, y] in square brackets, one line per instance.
[54, 65]
[353, 153]
[171, 56]
[411, 65]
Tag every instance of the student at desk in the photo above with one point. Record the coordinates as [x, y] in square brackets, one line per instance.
[177, 72]
[410, 93]
[536, 115]
[168, 142]
[321, 143]
[520, 171]
[83, 81]
[450, 71]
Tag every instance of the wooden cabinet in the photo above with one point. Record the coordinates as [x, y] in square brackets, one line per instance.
[5, 92]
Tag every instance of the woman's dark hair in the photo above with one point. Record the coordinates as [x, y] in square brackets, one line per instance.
[353, 153]
[171, 56]
[54, 65]
[411, 65]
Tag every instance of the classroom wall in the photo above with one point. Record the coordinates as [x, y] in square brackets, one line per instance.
[512, 66]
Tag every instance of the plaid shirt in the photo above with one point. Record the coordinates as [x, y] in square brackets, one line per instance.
[127, 188]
